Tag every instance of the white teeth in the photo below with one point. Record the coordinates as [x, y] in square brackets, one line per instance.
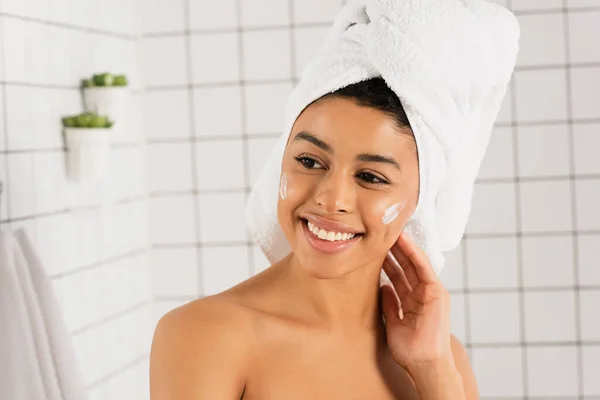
[329, 236]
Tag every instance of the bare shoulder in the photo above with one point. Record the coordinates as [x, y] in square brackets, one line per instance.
[463, 365]
[202, 350]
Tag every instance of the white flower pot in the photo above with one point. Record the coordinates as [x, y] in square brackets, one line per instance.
[106, 100]
[88, 152]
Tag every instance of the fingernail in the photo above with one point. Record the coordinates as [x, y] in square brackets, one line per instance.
[401, 314]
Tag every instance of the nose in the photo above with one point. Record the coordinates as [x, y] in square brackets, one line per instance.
[335, 193]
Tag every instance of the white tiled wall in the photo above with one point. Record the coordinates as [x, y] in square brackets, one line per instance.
[92, 237]
[525, 281]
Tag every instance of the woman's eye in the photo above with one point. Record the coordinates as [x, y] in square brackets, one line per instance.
[370, 178]
[309, 163]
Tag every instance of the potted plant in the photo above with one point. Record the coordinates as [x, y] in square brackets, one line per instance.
[105, 93]
[87, 137]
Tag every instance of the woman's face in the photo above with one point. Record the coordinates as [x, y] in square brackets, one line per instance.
[347, 169]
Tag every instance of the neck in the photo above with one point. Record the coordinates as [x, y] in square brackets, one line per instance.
[349, 303]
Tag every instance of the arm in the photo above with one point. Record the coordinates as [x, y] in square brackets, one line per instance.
[450, 378]
[198, 353]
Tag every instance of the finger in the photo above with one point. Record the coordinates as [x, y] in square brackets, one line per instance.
[397, 277]
[390, 306]
[419, 259]
[406, 264]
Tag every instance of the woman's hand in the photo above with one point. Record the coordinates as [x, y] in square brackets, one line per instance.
[418, 328]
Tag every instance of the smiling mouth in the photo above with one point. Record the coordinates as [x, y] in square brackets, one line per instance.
[330, 236]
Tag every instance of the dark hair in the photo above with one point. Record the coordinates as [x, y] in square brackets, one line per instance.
[375, 93]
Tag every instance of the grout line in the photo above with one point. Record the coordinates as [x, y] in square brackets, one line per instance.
[200, 245]
[239, 28]
[4, 193]
[110, 318]
[93, 207]
[92, 266]
[69, 26]
[193, 154]
[573, 193]
[118, 371]
[519, 244]
[244, 119]
[516, 289]
[215, 138]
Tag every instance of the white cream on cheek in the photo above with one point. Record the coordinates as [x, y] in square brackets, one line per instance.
[283, 186]
[392, 212]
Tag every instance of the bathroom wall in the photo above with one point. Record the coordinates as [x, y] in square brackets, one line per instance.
[92, 237]
[525, 280]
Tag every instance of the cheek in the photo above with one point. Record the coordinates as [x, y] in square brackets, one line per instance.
[392, 212]
[386, 211]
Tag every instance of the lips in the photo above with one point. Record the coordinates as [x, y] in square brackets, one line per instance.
[336, 237]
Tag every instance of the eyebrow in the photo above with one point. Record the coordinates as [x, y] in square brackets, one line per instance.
[365, 157]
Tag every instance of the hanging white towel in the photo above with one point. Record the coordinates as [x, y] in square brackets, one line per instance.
[37, 361]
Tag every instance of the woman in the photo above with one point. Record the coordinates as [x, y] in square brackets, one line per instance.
[383, 137]
[310, 326]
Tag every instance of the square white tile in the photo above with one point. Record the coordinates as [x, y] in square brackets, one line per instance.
[575, 4]
[307, 42]
[222, 218]
[164, 61]
[541, 95]
[166, 114]
[542, 39]
[498, 161]
[588, 199]
[546, 206]
[550, 316]
[591, 366]
[215, 58]
[223, 267]
[547, 261]
[171, 220]
[267, 55]
[16, 52]
[493, 208]
[315, 11]
[265, 105]
[457, 316]
[491, 363]
[20, 184]
[494, 317]
[492, 263]
[220, 14]
[536, 5]
[174, 272]
[452, 275]
[582, 27]
[163, 16]
[21, 106]
[50, 182]
[55, 237]
[218, 111]
[259, 260]
[552, 371]
[587, 246]
[220, 165]
[590, 324]
[586, 138]
[585, 92]
[543, 150]
[263, 13]
[170, 166]
[258, 151]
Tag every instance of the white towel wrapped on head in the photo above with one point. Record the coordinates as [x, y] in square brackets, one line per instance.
[449, 62]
